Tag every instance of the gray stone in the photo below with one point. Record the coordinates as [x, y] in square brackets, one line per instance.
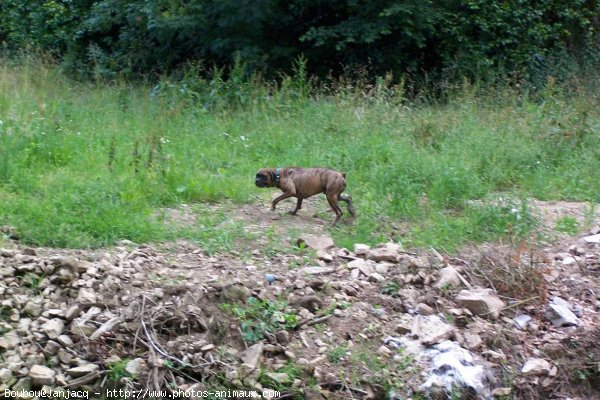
[570, 260]
[536, 366]
[382, 268]
[482, 302]
[560, 314]
[251, 356]
[86, 296]
[361, 249]
[471, 340]
[5, 375]
[593, 239]
[33, 308]
[53, 328]
[521, 321]
[316, 242]
[449, 277]
[376, 278]
[431, 329]
[64, 356]
[388, 252]
[71, 263]
[283, 337]
[135, 366]
[23, 384]
[10, 340]
[42, 375]
[325, 256]
[424, 309]
[362, 266]
[82, 370]
[65, 340]
[405, 323]
[318, 270]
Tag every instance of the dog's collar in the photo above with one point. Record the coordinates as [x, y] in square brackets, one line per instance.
[277, 175]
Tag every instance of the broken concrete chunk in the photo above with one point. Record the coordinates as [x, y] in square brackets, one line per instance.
[482, 302]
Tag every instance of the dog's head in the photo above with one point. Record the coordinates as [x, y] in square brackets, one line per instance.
[265, 177]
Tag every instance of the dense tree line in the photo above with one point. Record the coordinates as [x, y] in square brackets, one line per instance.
[417, 37]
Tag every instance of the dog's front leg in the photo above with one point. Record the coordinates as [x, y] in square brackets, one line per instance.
[279, 198]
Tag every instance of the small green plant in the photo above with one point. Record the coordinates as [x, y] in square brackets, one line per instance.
[33, 281]
[567, 224]
[260, 316]
[390, 288]
[336, 354]
[381, 372]
[283, 384]
[117, 370]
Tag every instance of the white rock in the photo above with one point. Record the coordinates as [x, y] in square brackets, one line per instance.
[316, 242]
[382, 268]
[54, 328]
[135, 366]
[251, 356]
[388, 252]
[86, 296]
[570, 260]
[593, 239]
[42, 375]
[361, 249]
[10, 340]
[65, 340]
[560, 314]
[5, 375]
[325, 256]
[82, 370]
[376, 277]
[521, 321]
[483, 302]
[431, 329]
[449, 277]
[424, 309]
[318, 270]
[536, 366]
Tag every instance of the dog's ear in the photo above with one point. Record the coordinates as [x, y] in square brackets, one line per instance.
[272, 178]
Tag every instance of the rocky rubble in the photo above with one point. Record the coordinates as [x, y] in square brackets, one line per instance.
[172, 318]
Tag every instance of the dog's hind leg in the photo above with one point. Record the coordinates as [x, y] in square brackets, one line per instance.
[348, 201]
[298, 206]
[333, 202]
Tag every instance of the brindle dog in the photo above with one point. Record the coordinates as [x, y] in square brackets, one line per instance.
[303, 183]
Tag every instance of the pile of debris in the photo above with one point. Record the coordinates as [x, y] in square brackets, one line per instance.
[325, 323]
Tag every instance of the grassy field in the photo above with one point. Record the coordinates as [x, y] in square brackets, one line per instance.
[83, 165]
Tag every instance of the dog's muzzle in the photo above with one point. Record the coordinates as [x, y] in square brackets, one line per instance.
[260, 183]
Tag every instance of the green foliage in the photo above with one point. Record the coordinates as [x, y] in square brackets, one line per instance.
[424, 39]
[336, 354]
[293, 372]
[117, 370]
[85, 165]
[567, 224]
[260, 316]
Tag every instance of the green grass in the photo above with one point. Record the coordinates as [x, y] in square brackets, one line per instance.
[567, 224]
[84, 165]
